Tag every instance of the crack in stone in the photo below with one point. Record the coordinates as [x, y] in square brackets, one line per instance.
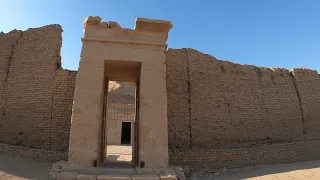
[7, 75]
[300, 104]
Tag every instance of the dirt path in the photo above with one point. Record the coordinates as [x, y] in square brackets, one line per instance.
[14, 168]
[307, 170]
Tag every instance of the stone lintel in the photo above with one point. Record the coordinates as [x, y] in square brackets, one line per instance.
[152, 25]
[160, 45]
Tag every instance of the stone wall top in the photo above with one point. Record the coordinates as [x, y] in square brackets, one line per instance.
[146, 31]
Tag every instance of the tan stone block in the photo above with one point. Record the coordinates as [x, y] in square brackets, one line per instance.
[67, 176]
[114, 24]
[114, 177]
[92, 20]
[86, 177]
[168, 177]
[103, 25]
[145, 177]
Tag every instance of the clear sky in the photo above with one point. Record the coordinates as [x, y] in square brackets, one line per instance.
[271, 33]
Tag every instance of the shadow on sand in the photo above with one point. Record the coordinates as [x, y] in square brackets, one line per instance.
[23, 168]
[307, 170]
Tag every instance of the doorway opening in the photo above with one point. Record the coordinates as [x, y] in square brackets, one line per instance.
[120, 122]
[126, 133]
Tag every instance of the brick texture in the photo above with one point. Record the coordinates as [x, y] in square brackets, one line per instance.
[64, 85]
[233, 104]
[225, 109]
[37, 154]
[308, 89]
[36, 94]
[246, 156]
[178, 99]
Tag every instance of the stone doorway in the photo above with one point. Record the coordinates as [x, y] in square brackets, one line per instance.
[110, 52]
[120, 118]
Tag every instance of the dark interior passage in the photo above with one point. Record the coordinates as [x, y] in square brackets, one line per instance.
[126, 133]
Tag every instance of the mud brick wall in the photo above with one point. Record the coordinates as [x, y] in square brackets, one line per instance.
[308, 88]
[7, 43]
[37, 154]
[64, 85]
[247, 156]
[239, 115]
[233, 104]
[178, 99]
[215, 103]
[30, 64]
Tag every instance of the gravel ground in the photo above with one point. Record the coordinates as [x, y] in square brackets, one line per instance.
[307, 170]
[14, 168]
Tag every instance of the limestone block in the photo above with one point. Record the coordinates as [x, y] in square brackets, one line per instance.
[103, 25]
[67, 176]
[92, 20]
[86, 177]
[114, 24]
[114, 177]
[168, 177]
[145, 177]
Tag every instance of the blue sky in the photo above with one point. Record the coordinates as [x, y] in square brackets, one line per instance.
[271, 33]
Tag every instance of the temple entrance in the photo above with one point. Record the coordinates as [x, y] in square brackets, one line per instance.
[122, 55]
[120, 109]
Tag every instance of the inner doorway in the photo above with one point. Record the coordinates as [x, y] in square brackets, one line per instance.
[120, 120]
[126, 133]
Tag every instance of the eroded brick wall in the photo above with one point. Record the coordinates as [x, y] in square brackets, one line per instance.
[308, 89]
[233, 104]
[282, 153]
[64, 85]
[218, 109]
[178, 99]
[36, 94]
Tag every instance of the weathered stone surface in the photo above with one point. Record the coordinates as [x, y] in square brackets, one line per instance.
[168, 177]
[36, 95]
[86, 177]
[67, 176]
[145, 177]
[114, 177]
[92, 20]
[114, 24]
[103, 25]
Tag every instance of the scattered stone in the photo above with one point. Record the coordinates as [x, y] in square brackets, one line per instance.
[224, 169]
[58, 165]
[168, 177]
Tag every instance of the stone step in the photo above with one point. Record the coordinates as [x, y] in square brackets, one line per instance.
[99, 170]
[77, 176]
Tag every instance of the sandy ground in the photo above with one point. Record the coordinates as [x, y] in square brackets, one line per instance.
[307, 170]
[119, 153]
[14, 168]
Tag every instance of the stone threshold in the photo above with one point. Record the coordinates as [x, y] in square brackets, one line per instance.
[77, 176]
[63, 171]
